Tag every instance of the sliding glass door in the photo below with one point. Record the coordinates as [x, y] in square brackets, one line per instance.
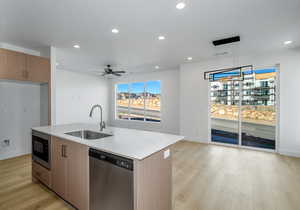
[243, 112]
[225, 99]
[258, 118]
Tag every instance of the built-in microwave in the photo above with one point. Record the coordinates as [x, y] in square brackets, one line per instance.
[41, 148]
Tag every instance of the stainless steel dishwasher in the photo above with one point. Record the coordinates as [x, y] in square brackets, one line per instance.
[111, 181]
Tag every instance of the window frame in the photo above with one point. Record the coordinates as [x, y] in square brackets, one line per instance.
[129, 103]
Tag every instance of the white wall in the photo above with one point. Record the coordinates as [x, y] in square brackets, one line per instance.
[75, 95]
[169, 101]
[194, 96]
[19, 111]
[44, 104]
[193, 103]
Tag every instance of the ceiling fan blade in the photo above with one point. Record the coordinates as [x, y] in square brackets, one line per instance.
[103, 74]
[120, 72]
[116, 74]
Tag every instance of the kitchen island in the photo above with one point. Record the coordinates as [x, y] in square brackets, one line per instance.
[70, 171]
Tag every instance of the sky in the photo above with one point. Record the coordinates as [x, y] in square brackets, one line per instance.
[151, 86]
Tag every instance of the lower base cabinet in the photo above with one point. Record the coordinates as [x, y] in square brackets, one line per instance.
[42, 174]
[70, 172]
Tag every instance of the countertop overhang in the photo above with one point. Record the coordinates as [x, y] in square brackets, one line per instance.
[129, 143]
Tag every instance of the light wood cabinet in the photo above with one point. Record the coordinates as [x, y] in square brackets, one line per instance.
[70, 172]
[38, 68]
[58, 167]
[12, 65]
[78, 179]
[153, 182]
[42, 174]
[23, 67]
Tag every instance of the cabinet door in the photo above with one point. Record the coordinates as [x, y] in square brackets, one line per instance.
[12, 65]
[2, 63]
[78, 175]
[38, 69]
[59, 167]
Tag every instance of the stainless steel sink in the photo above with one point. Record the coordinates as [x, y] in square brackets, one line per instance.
[88, 135]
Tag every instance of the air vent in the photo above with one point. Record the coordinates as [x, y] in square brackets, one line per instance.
[226, 41]
[221, 53]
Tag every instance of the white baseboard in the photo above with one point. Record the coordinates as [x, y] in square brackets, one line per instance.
[13, 155]
[294, 153]
[291, 153]
[196, 139]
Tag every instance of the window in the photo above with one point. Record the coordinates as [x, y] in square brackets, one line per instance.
[139, 101]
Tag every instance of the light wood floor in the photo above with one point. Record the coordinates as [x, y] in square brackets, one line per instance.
[206, 177]
[210, 177]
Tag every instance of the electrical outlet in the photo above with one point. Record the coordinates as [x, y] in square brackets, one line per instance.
[5, 143]
[166, 153]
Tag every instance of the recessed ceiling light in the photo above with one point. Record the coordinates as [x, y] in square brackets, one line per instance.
[57, 64]
[288, 42]
[189, 58]
[161, 38]
[156, 67]
[115, 31]
[180, 5]
[76, 46]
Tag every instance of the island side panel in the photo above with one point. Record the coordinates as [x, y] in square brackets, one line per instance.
[153, 182]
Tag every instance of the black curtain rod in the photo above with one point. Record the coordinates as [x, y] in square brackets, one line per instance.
[218, 71]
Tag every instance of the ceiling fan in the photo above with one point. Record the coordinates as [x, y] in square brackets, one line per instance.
[109, 71]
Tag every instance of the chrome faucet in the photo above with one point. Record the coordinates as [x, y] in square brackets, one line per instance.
[102, 123]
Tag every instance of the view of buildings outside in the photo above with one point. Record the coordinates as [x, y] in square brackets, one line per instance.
[139, 101]
[258, 109]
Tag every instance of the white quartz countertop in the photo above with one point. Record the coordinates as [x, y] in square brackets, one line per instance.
[130, 143]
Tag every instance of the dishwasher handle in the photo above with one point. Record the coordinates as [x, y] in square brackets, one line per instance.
[112, 159]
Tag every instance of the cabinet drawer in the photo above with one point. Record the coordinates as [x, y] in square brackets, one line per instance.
[41, 173]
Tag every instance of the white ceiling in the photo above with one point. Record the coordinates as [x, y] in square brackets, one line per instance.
[262, 24]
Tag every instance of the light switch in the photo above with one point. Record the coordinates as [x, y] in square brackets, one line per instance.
[166, 153]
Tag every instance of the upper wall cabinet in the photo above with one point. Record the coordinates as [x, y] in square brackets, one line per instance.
[12, 65]
[38, 68]
[20, 66]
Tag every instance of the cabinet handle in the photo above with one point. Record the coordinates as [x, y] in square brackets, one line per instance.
[65, 152]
